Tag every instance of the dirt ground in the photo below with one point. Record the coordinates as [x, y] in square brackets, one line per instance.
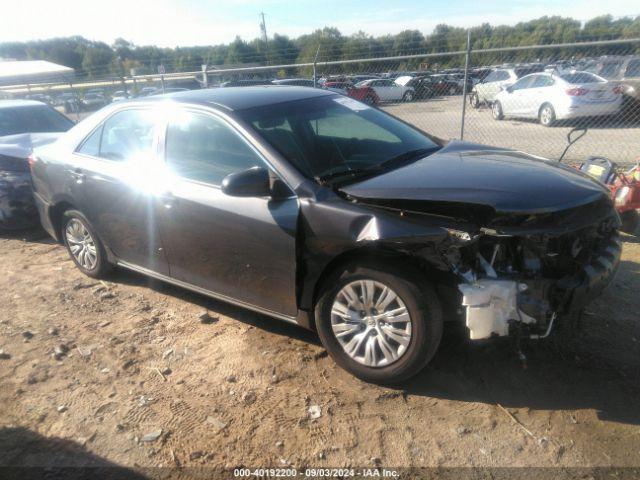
[125, 372]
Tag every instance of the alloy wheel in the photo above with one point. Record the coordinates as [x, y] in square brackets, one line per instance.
[546, 115]
[81, 244]
[371, 323]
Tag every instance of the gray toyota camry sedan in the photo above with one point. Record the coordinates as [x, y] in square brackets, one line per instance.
[319, 210]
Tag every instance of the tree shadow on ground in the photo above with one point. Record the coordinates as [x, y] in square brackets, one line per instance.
[26, 455]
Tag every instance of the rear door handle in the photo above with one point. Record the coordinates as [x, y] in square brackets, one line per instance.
[78, 176]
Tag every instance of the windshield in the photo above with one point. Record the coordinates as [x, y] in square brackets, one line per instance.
[32, 119]
[333, 136]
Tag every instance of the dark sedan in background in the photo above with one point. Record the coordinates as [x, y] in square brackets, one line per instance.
[24, 124]
[320, 210]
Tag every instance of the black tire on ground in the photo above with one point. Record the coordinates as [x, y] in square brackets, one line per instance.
[496, 111]
[547, 115]
[474, 101]
[422, 305]
[369, 100]
[102, 265]
[630, 222]
[407, 97]
[453, 91]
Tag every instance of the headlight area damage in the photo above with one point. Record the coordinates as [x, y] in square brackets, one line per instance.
[507, 274]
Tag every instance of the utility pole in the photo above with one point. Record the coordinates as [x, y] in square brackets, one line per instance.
[263, 29]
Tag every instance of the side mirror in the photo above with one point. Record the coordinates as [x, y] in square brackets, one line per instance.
[253, 182]
[508, 89]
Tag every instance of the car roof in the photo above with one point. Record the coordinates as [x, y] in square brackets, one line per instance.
[19, 103]
[241, 98]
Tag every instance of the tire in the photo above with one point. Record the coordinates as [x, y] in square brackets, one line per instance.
[453, 91]
[474, 100]
[547, 115]
[407, 97]
[368, 361]
[369, 100]
[77, 232]
[630, 222]
[496, 110]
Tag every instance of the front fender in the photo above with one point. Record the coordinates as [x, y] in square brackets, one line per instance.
[333, 227]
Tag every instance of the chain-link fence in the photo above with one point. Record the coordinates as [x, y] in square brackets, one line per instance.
[526, 97]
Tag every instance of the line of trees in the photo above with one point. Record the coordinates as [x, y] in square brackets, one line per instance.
[93, 59]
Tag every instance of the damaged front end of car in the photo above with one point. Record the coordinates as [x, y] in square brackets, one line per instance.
[518, 273]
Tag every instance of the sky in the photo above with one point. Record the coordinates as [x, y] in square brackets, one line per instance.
[170, 23]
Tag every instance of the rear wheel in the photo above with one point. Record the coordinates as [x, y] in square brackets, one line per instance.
[453, 90]
[369, 99]
[378, 324]
[496, 111]
[474, 101]
[547, 115]
[84, 246]
[630, 221]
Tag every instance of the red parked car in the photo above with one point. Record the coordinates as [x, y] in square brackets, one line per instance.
[364, 93]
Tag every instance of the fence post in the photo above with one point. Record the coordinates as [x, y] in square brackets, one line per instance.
[205, 77]
[464, 86]
[315, 61]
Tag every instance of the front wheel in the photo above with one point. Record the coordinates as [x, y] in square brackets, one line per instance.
[379, 323]
[84, 246]
[407, 97]
[496, 111]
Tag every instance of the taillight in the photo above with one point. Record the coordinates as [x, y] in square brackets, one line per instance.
[577, 92]
[617, 89]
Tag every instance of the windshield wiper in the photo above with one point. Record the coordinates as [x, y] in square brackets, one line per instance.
[407, 157]
[396, 161]
[347, 172]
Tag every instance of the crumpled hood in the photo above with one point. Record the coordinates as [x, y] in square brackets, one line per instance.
[505, 180]
[21, 145]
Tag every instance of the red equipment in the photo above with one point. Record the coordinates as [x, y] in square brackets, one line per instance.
[364, 94]
[624, 187]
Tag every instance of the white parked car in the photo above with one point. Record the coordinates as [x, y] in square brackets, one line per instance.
[558, 96]
[389, 90]
[485, 92]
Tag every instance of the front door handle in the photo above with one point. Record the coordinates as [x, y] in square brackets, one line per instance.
[78, 175]
[168, 200]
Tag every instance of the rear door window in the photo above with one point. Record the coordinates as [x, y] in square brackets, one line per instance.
[542, 81]
[127, 135]
[523, 83]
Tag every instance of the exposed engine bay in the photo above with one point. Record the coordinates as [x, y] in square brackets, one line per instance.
[526, 281]
[521, 272]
